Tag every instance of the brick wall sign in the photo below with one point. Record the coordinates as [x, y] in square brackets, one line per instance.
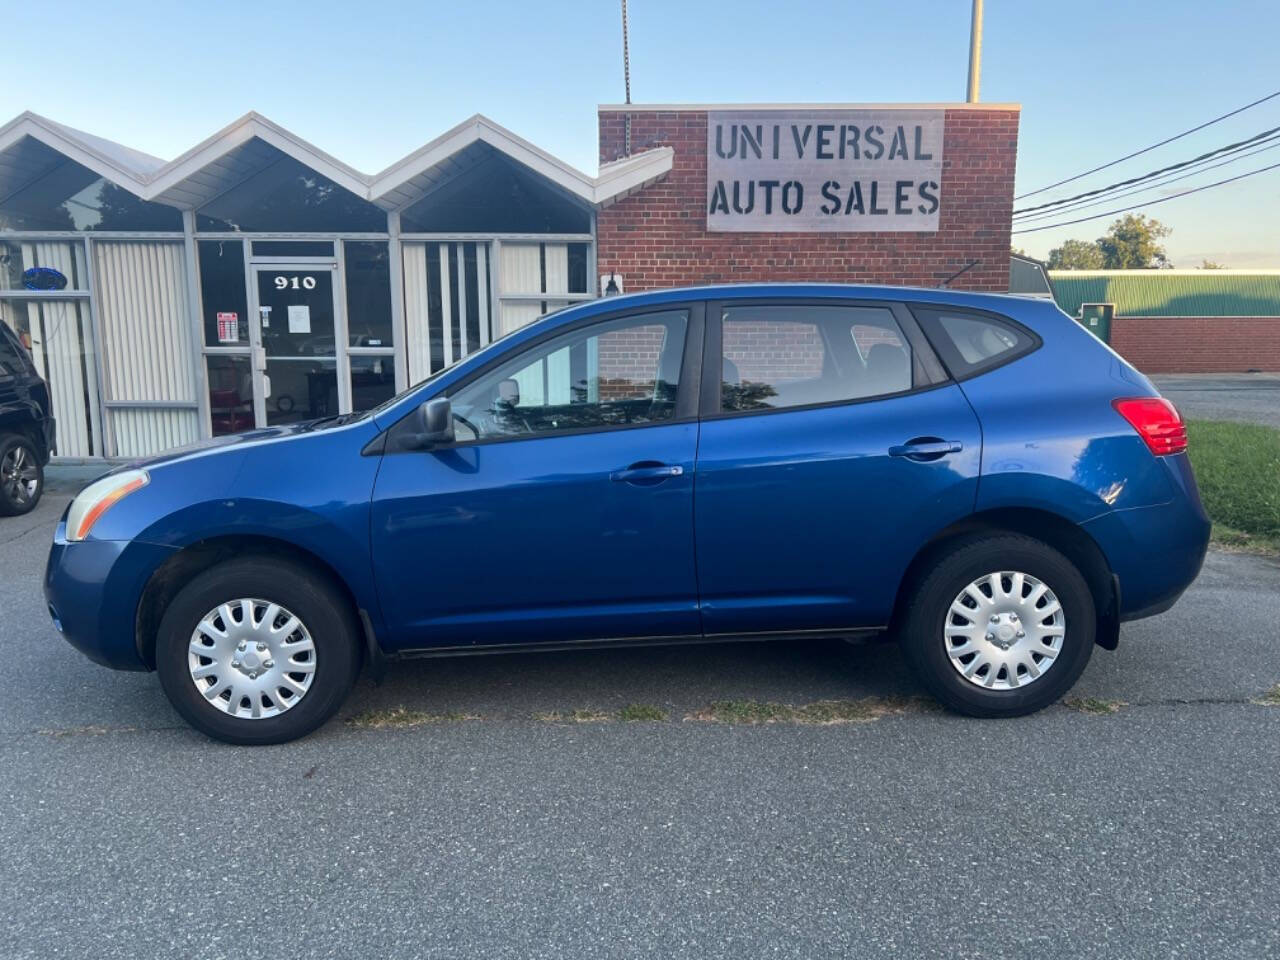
[815, 171]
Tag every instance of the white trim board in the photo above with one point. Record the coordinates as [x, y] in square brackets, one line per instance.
[151, 178]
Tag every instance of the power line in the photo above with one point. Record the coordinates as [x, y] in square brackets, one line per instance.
[1138, 153]
[1229, 148]
[1150, 203]
[1045, 214]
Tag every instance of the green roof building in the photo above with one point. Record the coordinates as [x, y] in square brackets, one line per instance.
[1171, 293]
[1183, 321]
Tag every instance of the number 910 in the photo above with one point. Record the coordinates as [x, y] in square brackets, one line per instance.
[295, 283]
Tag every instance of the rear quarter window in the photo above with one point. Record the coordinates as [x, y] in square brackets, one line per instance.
[970, 342]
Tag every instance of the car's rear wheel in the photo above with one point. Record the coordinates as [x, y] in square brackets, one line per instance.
[999, 626]
[257, 651]
[21, 476]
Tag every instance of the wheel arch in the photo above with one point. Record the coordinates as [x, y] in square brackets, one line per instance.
[176, 572]
[1061, 534]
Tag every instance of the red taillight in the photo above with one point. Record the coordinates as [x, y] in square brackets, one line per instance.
[1157, 422]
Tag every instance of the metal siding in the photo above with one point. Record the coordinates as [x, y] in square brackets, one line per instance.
[417, 334]
[148, 349]
[1161, 293]
[62, 345]
[520, 273]
[142, 431]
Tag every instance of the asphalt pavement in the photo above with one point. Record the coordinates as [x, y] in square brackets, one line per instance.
[1148, 832]
[1246, 397]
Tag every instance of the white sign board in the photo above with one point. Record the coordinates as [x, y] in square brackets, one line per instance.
[299, 318]
[817, 171]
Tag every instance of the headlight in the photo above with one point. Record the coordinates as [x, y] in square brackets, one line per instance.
[97, 498]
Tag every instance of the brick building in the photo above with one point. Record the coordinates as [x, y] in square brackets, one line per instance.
[662, 236]
[1183, 321]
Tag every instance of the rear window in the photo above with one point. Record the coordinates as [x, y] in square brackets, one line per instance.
[972, 342]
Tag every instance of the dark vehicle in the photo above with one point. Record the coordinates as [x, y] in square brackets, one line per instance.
[976, 473]
[26, 427]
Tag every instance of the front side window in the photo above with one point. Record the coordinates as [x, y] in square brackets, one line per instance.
[616, 373]
[797, 354]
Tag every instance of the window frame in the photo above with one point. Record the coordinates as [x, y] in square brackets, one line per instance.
[687, 390]
[925, 363]
[949, 354]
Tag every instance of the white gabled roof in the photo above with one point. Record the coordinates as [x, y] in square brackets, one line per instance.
[250, 143]
[411, 178]
[117, 163]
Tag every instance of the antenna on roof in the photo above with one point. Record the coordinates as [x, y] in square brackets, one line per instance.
[626, 76]
[959, 273]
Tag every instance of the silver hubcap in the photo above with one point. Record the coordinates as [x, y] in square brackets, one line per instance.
[251, 658]
[18, 476]
[1004, 630]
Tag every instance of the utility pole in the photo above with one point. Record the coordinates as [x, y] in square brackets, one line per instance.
[626, 78]
[975, 52]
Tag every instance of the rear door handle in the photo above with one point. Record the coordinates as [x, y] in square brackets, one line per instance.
[926, 448]
[647, 473]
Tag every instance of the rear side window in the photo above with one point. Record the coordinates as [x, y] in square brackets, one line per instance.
[972, 342]
[794, 355]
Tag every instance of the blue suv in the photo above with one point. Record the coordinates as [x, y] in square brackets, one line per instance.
[975, 473]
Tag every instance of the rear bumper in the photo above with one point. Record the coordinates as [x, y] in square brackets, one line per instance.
[1154, 552]
[93, 588]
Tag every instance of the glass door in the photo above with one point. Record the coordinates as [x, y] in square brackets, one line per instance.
[296, 342]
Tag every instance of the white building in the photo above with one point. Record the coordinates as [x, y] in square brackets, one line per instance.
[256, 280]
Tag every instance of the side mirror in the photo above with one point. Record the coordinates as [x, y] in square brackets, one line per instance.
[509, 392]
[435, 423]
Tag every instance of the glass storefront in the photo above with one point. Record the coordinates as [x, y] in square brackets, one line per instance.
[288, 196]
[301, 302]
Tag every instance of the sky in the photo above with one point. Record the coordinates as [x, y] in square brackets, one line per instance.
[370, 82]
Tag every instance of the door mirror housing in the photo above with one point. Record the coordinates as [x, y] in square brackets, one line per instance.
[432, 426]
[509, 392]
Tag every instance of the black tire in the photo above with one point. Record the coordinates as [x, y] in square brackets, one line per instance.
[14, 500]
[921, 632]
[312, 597]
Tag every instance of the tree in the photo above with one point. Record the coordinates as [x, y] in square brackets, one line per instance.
[1018, 251]
[1212, 265]
[1133, 243]
[1076, 255]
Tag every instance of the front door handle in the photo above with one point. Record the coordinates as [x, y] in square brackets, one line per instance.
[646, 473]
[924, 449]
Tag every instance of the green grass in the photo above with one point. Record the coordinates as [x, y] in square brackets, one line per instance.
[399, 717]
[1271, 698]
[642, 713]
[581, 715]
[1093, 705]
[1237, 467]
[819, 713]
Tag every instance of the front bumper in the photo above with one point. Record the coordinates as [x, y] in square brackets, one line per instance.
[93, 588]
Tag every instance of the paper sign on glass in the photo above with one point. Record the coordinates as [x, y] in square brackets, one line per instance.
[228, 328]
[299, 318]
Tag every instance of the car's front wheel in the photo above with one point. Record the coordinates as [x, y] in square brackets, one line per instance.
[21, 476]
[257, 650]
[1001, 625]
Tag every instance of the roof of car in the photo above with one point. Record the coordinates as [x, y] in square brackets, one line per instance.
[853, 291]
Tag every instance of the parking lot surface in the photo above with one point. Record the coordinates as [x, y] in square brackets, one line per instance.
[1246, 397]
[1150, 831]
